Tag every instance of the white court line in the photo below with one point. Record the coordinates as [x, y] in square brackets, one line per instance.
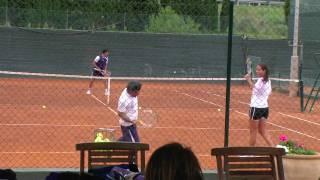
[241, 102]
[22, 152]
[292, 130]
[51, 125]
[294, 117]
[311, 122]
[159, 127]
[183, 128]
[298, 132]
[244, 103]
[94, 97]
[209, 102]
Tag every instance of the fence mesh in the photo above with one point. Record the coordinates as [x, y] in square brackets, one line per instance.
[178, 52]
[49, 113]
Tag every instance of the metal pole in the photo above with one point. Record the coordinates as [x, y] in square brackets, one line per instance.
[294, 68]
[227, 114]
[301, 85]
[7, 21]
[67, 19]
[124, 22]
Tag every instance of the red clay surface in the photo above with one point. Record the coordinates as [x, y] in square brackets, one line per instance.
[188, 112]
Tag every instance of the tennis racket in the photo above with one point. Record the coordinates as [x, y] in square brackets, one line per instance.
[252, 62]
[249, 66]
[147, 118]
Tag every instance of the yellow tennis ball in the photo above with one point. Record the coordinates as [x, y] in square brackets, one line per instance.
[99, 135]
[98, 139]
[219, 110]
[43, 106]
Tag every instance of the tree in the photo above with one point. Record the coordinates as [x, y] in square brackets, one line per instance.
[168, 21]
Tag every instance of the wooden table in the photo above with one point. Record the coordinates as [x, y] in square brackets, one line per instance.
[110, 149]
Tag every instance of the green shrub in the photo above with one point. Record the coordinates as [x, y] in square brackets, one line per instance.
[260, 22]
[168, 21]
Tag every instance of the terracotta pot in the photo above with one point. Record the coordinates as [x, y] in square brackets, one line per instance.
[301, 167]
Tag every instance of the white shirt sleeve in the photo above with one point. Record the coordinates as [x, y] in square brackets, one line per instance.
[122, 105]
[97, 59]
[258, 85]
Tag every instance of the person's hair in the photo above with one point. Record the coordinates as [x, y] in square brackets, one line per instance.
[265, 68]
[173, 162]
[105, 50]
[134, 86]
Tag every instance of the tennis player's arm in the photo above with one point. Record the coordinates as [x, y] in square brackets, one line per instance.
[249, 80]
[124, 117]
[94, 63]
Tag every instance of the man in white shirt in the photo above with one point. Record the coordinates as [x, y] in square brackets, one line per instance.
[128, 112]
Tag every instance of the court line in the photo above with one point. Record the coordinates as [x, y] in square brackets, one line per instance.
[167, 127]
[24, 152]
[159, 127]
[51, 125]
[283, 114]
[209, 102]
[292, 130]
[294, 117]
[97, 99]
[218, 95]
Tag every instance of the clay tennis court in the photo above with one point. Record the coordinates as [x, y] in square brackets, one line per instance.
[43, 118]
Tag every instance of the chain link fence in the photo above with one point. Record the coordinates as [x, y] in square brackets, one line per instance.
[178, 52]
[203, 17]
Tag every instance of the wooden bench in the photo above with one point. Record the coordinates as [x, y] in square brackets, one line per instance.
[249, 162]
[111, 153]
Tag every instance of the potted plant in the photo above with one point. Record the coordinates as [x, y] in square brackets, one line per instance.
[299, 162]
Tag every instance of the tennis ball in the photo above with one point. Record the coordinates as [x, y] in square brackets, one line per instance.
[219, 110]
[98, 139]
[43, 106]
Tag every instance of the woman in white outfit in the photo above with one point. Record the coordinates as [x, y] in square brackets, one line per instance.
[259, 108]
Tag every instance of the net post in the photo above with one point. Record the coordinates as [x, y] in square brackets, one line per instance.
[228, 83]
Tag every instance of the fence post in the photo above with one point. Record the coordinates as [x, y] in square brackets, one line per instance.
[227, 108]
[6, 11]
[124, 22]
[67, 19]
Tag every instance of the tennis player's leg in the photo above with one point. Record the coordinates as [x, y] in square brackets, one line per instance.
[263, 127]
[93, 74]
[264, 132]
[134, 133]
[89, 91]
[253, 127]
[126, 134]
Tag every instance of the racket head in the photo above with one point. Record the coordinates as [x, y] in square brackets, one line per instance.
[249, 66]
[253, 61]
[147, 118]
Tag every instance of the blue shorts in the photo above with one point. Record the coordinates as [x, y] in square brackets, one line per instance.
[97, 73]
